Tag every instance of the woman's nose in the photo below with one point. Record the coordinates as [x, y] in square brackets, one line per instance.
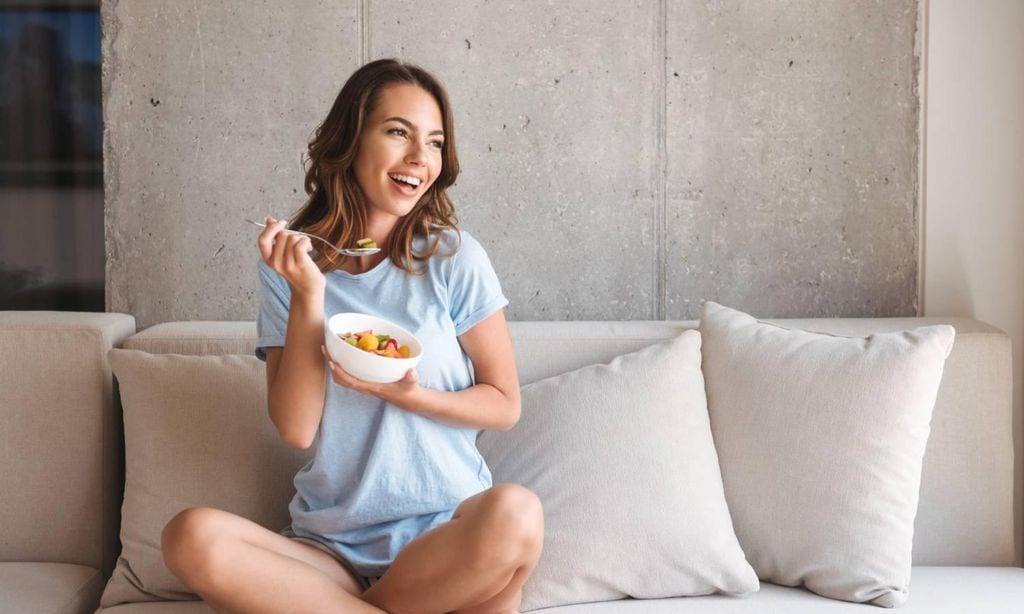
[416, 154]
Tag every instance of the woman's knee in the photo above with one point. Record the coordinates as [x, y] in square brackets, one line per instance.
[512, 524]
[187, 541]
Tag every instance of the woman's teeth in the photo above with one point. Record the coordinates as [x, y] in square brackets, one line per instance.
[412, 181]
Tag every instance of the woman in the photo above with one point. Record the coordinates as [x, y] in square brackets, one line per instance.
[396, 511]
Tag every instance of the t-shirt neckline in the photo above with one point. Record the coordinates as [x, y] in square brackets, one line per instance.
[379, 269]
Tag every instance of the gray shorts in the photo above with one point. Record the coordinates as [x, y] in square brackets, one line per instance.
[364, 582]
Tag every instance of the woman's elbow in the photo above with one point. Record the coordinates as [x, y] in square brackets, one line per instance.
[299, 443]
[515, 410]
[291, 434]
[294, 438]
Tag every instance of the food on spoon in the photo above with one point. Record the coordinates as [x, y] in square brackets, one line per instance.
[381, 345]
[366, 243]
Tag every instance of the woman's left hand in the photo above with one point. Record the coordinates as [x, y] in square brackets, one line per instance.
[400, 393]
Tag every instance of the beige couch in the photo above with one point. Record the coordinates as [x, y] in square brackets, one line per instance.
[61, 440]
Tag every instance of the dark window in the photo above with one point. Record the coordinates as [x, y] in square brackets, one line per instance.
[51, 156]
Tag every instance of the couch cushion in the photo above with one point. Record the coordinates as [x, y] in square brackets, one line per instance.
[935, 590]
[60, 437]
[622, 458]
[197, 433]
[159, 607]
[49, 588]
[821, 440]
[196, 338]
[968, 486]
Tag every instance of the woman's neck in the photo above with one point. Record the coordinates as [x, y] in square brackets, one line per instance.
[380, 229]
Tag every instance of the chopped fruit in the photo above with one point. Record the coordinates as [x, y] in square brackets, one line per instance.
[382, 345]
[366, 243]
[368, 343]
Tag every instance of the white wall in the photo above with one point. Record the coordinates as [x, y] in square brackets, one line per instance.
[974, 168]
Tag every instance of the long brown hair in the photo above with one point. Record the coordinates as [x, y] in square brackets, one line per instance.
[336, 207]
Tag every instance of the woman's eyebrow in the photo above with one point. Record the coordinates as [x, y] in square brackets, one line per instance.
[409, 124]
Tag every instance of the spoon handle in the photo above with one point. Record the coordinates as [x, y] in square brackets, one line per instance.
[297, 232]
[362, 251]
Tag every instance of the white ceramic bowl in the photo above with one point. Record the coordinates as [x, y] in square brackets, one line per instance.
[365, 365]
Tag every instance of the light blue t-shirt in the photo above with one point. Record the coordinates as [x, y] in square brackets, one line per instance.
[380, 475]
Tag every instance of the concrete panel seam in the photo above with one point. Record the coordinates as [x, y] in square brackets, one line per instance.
[660, 71]
[110, 28]
[364, 31]
[922, 151]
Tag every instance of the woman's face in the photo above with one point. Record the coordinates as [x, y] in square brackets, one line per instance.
[400, 143]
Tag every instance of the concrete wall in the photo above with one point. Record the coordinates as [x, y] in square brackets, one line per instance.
[974, 179]
[621, 160]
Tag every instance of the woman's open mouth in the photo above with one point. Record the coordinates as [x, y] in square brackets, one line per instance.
[403, 187]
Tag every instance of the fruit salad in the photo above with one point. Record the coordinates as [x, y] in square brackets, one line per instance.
[366, 243]
[382, 345]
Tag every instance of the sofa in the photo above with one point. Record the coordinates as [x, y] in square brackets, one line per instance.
[89, 468]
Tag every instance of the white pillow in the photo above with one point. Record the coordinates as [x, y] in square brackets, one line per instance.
[622, 459]
[821, 440]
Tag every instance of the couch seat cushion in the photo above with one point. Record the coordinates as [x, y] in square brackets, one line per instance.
[933, 590]
[159, 607]
[49, 588]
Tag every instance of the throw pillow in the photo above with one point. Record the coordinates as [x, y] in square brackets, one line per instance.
[196, 433]
[821, 440]
[622, 459]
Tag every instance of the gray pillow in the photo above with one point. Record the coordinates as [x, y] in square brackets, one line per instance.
[196, 433]
[622, 459]
[821, 440]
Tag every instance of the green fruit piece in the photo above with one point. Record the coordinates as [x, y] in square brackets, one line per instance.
[352, 341]
[366, 243]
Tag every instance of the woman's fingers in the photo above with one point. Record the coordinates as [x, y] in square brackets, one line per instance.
[265, 240]
[344, 378]
[280, 240]
[269, 240]
[300, 249]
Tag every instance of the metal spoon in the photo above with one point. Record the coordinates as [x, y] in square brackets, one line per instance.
[359, 251]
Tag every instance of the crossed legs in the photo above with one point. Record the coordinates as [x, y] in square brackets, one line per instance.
[475, 563]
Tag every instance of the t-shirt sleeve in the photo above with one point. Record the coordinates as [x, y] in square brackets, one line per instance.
[474, 292]
[272, 319]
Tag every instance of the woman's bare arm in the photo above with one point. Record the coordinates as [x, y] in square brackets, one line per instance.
[296, 375]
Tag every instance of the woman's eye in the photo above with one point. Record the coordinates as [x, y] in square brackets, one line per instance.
[401, 132]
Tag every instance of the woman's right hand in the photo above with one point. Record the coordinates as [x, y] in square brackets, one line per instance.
[288, 255]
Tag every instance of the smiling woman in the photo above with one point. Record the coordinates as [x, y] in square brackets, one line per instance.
[388, 120]
[397, 511]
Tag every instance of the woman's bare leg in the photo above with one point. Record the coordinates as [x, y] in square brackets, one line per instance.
[239, 566]
[477, 562]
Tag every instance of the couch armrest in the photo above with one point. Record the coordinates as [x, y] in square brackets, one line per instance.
[60, 437]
